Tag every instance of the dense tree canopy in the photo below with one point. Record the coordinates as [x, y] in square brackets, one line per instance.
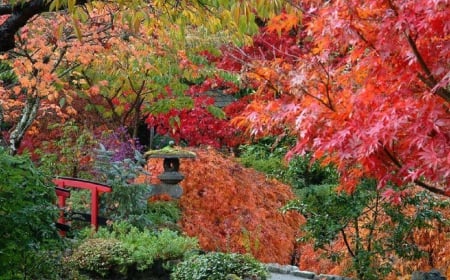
[363, 85]
[56, 54]
[369, 91]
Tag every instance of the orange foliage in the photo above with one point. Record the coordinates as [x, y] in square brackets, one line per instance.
[232, 208]
[283, 22]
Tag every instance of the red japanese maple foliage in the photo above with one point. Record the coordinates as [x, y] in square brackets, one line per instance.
[232, 208]
[198, 125]
[369, 91]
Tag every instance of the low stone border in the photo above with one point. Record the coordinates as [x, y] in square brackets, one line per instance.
[294, 271]
[433, 274]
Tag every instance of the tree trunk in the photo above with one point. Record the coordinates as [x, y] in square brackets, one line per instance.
[29, 114]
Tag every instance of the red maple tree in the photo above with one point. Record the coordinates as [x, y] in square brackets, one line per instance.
[369, 91]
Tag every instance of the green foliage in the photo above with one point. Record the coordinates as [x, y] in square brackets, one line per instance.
[7, 75]
[27, 219]
[216, 112]
[219, 266]
[301, 173]
[139, 248]
[373, 228]
[68, 154]
[127, 201]
[100, 257]
[164, 213]
[265, 156]
[268, 154]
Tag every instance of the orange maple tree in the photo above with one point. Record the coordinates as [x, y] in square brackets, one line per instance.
[369, 91]
[46, 55]
[232, 208]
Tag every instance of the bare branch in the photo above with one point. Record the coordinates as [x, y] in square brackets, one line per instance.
[20, 14]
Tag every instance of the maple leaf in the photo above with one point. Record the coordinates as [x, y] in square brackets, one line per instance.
[283, 22]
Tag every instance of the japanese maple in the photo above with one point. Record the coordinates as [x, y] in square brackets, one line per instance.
[368, 91]
[204, 124]
[232, 208]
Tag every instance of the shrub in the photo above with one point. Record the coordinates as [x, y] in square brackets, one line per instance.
[265, 157]
[146, 246]
[27, 219]
[164, 213]
[101, 257]
[301, 173]
[67, 151]
[219, 266]
[268, 156]
[127, 201]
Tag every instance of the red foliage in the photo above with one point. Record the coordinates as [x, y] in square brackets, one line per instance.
[232, 208]
[198, 126]
[368, 91]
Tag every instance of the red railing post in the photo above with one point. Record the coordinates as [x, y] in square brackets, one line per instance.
[94, 208]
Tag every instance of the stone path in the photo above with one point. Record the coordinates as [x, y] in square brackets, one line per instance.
[289, 272]
[278, 276]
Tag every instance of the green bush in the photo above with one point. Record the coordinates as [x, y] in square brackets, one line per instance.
[130, 249]
[164, 213]
[99, 257]
[301, 173]
[68, 154]
[268, 156]
[27, 219]
[127, 201]
[265, 157]
[219, 266]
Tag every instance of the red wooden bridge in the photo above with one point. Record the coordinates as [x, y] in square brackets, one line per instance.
[63, 192]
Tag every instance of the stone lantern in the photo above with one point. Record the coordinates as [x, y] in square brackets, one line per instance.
[171, 175]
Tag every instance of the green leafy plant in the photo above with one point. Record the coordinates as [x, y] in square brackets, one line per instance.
[69, 153]
[373, 228]
[219, 266]
[164, 213]
[268, 156]
[29, 242]
[7, 75]
[101, 257]
[302, 173]
[127, 201]
[265, 156]
[146, 246]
